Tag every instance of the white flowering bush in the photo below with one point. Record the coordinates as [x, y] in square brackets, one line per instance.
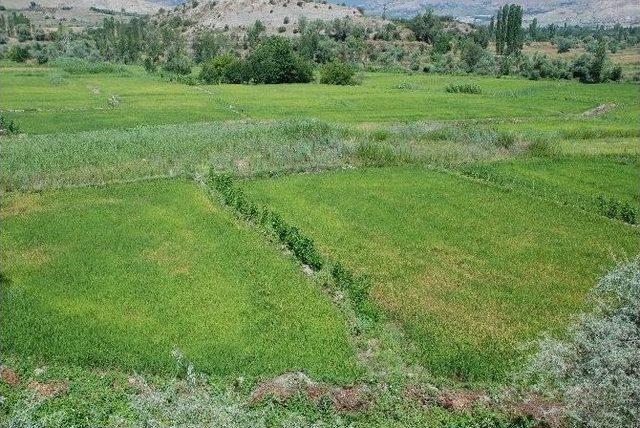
[596, 370]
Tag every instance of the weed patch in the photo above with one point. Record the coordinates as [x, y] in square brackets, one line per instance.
[463, 88]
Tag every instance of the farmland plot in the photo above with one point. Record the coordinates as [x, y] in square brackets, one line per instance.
[469, 270]
[120, 276]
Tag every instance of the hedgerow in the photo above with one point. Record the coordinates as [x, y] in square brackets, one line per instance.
[302, 247]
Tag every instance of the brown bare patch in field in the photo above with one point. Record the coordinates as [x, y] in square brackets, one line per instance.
[35, 256]
[169, 258]
[445, 291]
[462, 400]
[285, 386]
[9, 376]
[48, 389]
[600, 110]
[552, 413]
[20, 205]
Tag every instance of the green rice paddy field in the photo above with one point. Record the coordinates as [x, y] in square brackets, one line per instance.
[113, 255]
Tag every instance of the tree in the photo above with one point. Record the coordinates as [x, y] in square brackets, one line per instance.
[472, 53]
[482, 36]
[533, 29]
[254, 33]
[205, 45]
[500, 30]
[514, 36]
[426, 27]
[273, 61]
[596, 68]
[508, 33]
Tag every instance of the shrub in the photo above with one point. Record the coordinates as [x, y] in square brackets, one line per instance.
[274, 61]
[358, 290]
[564, 45]
[542, 147]
[237, 72]
[376, 154]
[301, 246]
[149, 65]
[464, 88]
[337, 73]
[506, 140]
[628, 213]
[613, 208]
[615, 73]
[178, 63]
[23, 32]
[596, 371]
[82, 66]
[8, 126]
[213, 71]
[18, 53]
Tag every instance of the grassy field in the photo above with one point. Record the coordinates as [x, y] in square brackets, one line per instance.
[119, 276]
[48, 100]
[469, 270]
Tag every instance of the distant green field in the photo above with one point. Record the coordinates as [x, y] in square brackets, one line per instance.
[469, 270]
[47, 100]
[119, 276]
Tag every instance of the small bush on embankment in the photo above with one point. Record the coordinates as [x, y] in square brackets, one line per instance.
[337, 73]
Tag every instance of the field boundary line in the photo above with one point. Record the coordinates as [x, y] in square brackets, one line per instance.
[222, 104]
[105, 183]
[523, 192]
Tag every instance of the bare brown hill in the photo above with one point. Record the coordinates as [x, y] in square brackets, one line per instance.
[282, 15]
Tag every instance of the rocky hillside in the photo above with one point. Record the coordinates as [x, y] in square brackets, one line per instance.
[77, 6]
[276, 15]
[583, 12]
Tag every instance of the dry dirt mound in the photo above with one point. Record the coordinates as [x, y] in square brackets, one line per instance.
[601, 109]
[9, 376]
[48, 389]
[283, 387]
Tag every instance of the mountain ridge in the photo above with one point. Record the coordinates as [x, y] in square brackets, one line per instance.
[583, 12]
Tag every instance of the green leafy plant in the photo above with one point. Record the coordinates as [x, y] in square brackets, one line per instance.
[463, 88]
[8, 126]
[337, 73]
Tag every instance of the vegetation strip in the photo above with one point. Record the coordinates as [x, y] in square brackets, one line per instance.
[301, 246]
